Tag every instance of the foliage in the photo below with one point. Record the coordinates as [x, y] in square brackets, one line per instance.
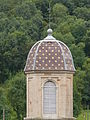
[16, 94]
[78, 90]
[78, 54]
[83, 115]
[82, 12]
[5, 105]
[86, 93]
[59, 12]
[22, 23]
[87, 43]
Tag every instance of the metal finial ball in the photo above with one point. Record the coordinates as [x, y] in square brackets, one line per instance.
[49, 31]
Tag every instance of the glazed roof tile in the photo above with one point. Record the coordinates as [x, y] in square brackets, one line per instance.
[49, 54]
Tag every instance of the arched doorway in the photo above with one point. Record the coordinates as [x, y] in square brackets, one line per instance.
[49, 98]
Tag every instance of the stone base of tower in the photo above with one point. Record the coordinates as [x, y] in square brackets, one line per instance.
[50, 119]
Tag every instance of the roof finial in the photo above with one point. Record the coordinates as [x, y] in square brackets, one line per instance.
[49, 31]
[49, 15]
[49, 37]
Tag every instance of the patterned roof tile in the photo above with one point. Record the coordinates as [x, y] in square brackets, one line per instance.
[49, 54]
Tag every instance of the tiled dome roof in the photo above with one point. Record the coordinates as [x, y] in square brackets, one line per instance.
[49, 54]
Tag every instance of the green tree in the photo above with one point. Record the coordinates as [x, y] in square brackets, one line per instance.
[2, 101]
[86, 93]
[14, 50]
[17, 94]
[77, 101]
[68, 39]
[78, 30]
[82, 12]
[87, 43]
[78, 90]
[43, 6]
[78, 54]
[5, 105]
[59, 12]
[26, 10]
[23, 22]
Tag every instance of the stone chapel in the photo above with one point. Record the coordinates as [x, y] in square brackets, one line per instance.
[49, 78]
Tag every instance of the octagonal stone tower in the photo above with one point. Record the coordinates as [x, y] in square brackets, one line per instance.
[49, 72]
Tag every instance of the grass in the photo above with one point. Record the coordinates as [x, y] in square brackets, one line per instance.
[84, 115]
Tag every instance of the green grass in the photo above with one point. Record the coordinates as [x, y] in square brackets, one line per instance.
[83, 115]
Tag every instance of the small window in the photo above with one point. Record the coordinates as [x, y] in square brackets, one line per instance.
[49, 98]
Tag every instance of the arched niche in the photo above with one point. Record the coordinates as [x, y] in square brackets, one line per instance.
[49, 98]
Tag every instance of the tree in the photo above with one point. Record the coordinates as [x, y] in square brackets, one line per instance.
[5, 105]
[87, 43]
[23, 22]
[78, 91]
[77, 101]
[78, 54]
[43, 6]
[82, 12]
[86, 93]
[17, 94]
[14, 50]
[68, 39]
[26, 10]
[78, 30]
[3, 102]
[59, 12]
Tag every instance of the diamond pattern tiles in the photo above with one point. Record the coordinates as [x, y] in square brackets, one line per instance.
[49, 55]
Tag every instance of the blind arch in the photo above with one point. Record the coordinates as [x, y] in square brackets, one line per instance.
[49, 98]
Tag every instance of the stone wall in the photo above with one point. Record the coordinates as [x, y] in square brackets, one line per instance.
[64, 94]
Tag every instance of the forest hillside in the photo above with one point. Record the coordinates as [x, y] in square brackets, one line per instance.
[24, 22]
